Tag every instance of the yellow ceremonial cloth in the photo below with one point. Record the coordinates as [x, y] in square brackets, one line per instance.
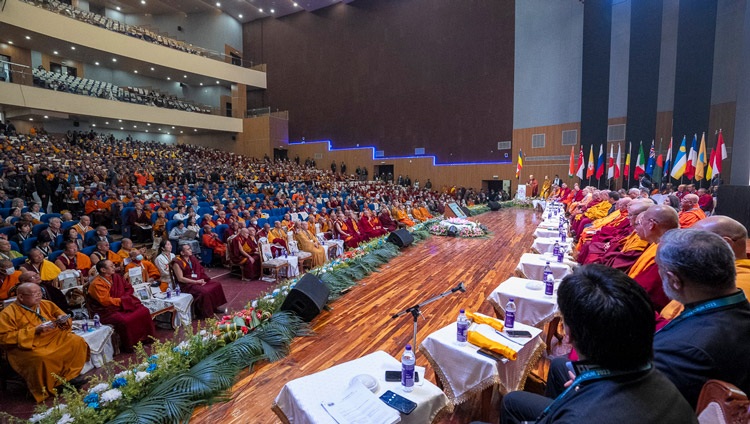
[483, 342]
[598, 211]
[484, 319]
[36, 357]
[646, 260]
[48, 271]
[633, 242]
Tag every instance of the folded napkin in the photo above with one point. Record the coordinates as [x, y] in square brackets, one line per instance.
[483, 342]
[484, 319]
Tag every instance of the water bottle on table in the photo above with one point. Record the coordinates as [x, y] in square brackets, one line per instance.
[407, 369]
[510, 313]
[462, 328]
[97, 321]
[177, 290]
[549, 285]
[556, 249]
[547, 271]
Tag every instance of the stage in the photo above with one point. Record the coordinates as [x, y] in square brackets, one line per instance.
[360, 322]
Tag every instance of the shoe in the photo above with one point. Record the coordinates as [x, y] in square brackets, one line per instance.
[221, 310]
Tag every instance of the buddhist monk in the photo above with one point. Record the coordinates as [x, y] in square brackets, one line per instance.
[278, 238]
[192, 278]
[342, 231]
[370, 225]
[149, 271]
[307, 242]
[212, 241]
[691, 211]
[399, 214]
[102, 252]
[243, 251]
[8, 277]
[111, 296]
[39, 343]
[72, 259]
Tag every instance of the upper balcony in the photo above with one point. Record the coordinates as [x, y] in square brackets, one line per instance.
[39, 27]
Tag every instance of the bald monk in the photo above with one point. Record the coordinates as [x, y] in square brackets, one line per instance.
[617, 217]
[308, 242]
[102, 252]
[594, 212]
[8, 277]
[609, 242]
[691, 211]
[37, 338]
[72, 259]
[149, 271]
[399, 214]
[733, 233]
[650, 226]
[111, 296]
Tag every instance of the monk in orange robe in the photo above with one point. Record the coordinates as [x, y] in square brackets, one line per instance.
[399, 214]
[37, 338]
[149, 271]
[278, 238]
[72, 259]
[691, 211]
[211, 240]
[102, 252]
[7, 281]
[342, 231]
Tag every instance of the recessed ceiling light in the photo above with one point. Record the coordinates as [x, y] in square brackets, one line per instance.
[184, 76]
[296, 5]
[180, 131]
[46, 117]
[273, 11]
[72, 47]
[31, 119]
[93, 125]
[218, 4]
[114, 59]
[121, 128]
[136, 71]
[148, 124]
[143, 1]
[172, 127]
[240, 15]
[201, 83]
[146, 130]
[135, 126]
[195, 130]
[117, 7]
[96, 63]
[28, 37]
[119, 120]
[169, 78]
[106, 123]
[260, 10]
[152, 68]
[54, 52]
[10, 42]
[217, 82]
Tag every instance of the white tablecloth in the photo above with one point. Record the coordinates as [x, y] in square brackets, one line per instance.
[533, 307]
[299, 400]
[546, 245]
[465, 373]
[293, 269]
[182, 304]
[100, 345]
[532, 266]
[339, 247]
[546, 232]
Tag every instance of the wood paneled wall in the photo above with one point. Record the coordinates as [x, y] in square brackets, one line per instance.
[21, 57]
[558, 156]
[46, 59]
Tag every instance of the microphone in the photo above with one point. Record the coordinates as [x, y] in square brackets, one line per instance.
[460, 287]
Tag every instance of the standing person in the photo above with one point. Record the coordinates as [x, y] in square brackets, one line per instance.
[192, 278]
[43, 186]
[532, 187]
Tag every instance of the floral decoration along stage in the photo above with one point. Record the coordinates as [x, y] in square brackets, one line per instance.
[459, 227]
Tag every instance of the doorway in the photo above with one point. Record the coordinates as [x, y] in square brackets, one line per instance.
[498, 186]
[280, 154]
[383, 172]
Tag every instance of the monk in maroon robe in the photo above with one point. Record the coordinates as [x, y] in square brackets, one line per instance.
[189, 274]
[370, 226]
[386, 220]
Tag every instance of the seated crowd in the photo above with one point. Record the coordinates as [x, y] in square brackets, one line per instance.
[160, 200]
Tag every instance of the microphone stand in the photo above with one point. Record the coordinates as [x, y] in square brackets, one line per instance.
[416, 312]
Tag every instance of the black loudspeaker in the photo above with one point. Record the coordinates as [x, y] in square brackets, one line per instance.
[307, 298]
[466, 210]
[494, 206]
[401, 238]
[734, 202]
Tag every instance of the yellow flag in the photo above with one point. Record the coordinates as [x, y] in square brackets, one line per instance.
[700, 167]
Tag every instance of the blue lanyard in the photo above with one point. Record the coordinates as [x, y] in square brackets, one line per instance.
[34, 312]
[590, 375]
[734, 299]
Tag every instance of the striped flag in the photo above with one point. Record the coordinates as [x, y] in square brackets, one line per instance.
[692, 159]
[572, 166]
[626, 171]
[710, 170]
[611, 165]
[668, 159]
[680, 162]
[581, 164]
[700, 165]
[519, 165]
[640, 163]
[618, 162]
[719, 155]
[600, 162]
[590, 169]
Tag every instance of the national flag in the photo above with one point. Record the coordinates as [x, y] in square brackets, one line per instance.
[700, 165]
[658, 169]
[572, 166]
[651, 160]
[669, 159]
[581, 165]
[710, 170]
[692, 158]
[600, 162]
[590, 169]
[626, 171]
[719, 155]
[519, 165]
[611, 166]
[618, 162]
[680, 161]
[640, 163]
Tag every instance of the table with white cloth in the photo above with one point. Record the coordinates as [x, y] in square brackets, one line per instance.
[300, 400]
[465, 373]
[543, 231]
[531, 266]
[293, 269]
[547, 245]
[100, 344]
[533, 307]
[183, 307]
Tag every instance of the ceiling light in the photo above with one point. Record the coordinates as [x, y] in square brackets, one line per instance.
[46, 117]
[169, 133]
[114, 59]
[136, 71]
[72, 47]
[169, 78]
[148, 124]
[135, 126]
[201, 83]
[240, 15]
[218, 4]
[296, 5]
[172, 127]
[10, 42]
[195, 130]
[217, 82]
[143, 1]
[54, 52]
[106, 123]
[146, 130]
[118, 8]
[93, 125]
[152, 68]
[31, 119]
[28, 38]
[180, 131]
[272, 11]
[121, 128]
[119, 120]
[184, 76]
[96, 63]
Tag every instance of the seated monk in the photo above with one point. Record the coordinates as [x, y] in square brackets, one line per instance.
[386, 220]
[189, 274]
[243, 251]
[102, 252]
[342, 231]
[72, 259]
[370, 225]
[399, 214]
[308, 242]
[650, 226]
[619, 216]
[9, 277]
[37, 337]
[420, 213]
[111, 296]
[612, 241]
[83, 226]
[47, 271]
[351, 222]
[691, 211]
[149, 271]
[278, 238]
[211, 241]
[126, 246]
[595, 211]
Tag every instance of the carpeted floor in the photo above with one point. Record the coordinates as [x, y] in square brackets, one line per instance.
[16, 400]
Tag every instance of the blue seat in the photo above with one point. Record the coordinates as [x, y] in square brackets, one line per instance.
[262, 222]
[8, 231]
[115, 246]
[58, 241]
[204, 210]
[88, 238]
[19, 261]
[52, 257]
[207, 254]
[27, 245]
[88, 250]
[68, 224]
[47, 216]
[124, 217]
[8, 203]
[171, 224]
[221, 231]
[14, 246]
[5, 212]
[38, 228]
[170, 214]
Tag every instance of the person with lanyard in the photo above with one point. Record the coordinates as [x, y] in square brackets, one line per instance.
[610, 322]
[163, 261]
[37, 338]
[189, 274]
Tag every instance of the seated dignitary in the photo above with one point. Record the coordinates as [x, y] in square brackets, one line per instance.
[243, 251]
[709, 339]
[192, 278]
[308, 242]
[40, 346]
[111, 296]
[610, 321]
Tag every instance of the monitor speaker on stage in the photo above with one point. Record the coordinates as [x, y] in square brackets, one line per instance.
[734, 202]
[307, 298]
[494, 206]
[401, 238]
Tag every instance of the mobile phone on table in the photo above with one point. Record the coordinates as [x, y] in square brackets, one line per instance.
[396, 376]
[518, 333]
[398, 402]
[490, 354]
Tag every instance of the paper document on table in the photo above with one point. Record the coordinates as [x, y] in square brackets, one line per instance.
[358, 405]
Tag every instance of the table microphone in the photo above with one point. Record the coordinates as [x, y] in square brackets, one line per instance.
[460, 287]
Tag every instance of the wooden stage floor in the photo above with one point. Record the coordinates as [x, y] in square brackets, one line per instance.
[360, 322]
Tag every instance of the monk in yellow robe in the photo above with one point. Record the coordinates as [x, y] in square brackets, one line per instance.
[308, 242]
[691, 212]
[615, 218]
[37, 338]
[278, 238]
[48, 272]
[399, 214]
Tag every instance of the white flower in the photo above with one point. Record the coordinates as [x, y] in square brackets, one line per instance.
[111, 396]
[123, 374]
[141, 375]
[324, 271]
[202, 333]
[254, 304]
[99, 388]
[183, 345]
[65, 419]
[275, 292]
[39, 417]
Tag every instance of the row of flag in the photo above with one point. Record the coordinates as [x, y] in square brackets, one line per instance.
[692, 164]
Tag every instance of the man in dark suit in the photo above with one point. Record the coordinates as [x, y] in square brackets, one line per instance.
[43, 186]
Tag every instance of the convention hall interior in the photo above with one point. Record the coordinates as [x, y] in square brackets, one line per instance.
[247, 209]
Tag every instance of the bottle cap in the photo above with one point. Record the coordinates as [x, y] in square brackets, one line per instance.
[547, 262]
[462, 311]
[408, 347]
[510, 299]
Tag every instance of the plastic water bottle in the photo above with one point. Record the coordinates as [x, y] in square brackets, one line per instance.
[549, 285]
[510, 313]
[407, 369]
[563, 235]
[169, 293]
[85, 326]
[560, 255]
[556, 248]
[547, 271]
[462, 327]
[97, 321]
[177, 290]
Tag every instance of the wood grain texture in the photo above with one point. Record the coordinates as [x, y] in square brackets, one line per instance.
[360, 321]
